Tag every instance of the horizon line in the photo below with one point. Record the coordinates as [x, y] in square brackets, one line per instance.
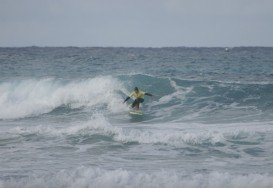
[69, 46]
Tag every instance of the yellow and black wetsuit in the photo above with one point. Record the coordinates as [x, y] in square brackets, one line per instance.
[139, 97]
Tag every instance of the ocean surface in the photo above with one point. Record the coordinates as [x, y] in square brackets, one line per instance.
[63, 122]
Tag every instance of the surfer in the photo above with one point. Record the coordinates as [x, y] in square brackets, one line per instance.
[139, 97]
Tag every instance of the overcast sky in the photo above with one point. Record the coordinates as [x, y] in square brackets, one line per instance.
[136, 23]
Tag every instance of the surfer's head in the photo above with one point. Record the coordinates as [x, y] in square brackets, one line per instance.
[136, 89]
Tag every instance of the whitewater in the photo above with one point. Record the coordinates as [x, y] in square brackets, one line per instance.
[63, 122]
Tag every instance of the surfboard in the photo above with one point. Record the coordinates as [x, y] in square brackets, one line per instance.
[136, 112]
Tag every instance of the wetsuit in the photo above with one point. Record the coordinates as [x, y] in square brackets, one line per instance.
[139, 97]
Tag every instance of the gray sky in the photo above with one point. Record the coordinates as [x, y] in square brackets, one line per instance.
[139, 23]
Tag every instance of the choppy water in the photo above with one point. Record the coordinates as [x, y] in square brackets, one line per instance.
[63, 122]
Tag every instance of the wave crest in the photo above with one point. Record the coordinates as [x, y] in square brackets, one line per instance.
[19, 99]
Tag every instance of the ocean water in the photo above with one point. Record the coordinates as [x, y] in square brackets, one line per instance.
[63, 122]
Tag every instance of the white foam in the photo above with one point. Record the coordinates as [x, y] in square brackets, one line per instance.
[32, 97]
[101, 178]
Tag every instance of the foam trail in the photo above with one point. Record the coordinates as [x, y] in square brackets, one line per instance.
[33, 97]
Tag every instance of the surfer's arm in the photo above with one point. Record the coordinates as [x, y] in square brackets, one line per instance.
[149, 94]
[129, 97]
[126, 99]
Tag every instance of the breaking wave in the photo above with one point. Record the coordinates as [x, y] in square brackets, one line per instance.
[32, 97]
